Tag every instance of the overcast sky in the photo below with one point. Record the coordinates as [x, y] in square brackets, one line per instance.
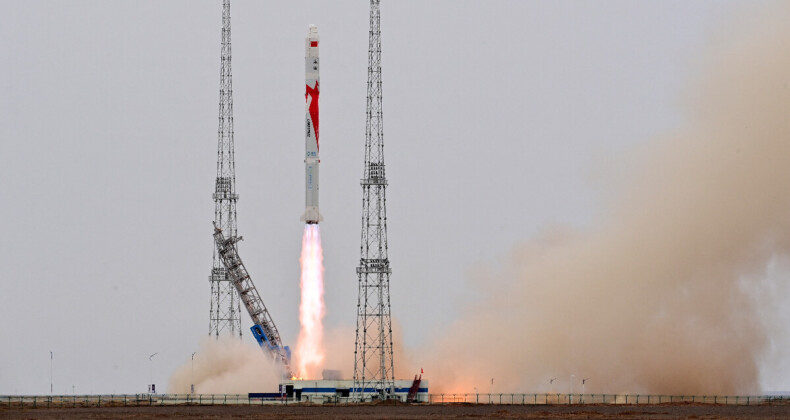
[498, 120]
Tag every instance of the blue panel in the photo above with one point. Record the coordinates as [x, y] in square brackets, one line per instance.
[366, 390]
[373, 390]
[264, 342]
[406, 390]
[264, 395]
[319, 390]
[259, 335]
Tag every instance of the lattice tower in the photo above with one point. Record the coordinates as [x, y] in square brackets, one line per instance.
[225, 312]
[373, 356]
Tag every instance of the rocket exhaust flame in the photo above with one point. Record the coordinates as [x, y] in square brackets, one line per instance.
[310, 347]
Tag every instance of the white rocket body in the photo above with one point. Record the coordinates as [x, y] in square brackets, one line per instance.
[311, 161]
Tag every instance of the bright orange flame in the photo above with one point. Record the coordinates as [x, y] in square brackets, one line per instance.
[310, 347]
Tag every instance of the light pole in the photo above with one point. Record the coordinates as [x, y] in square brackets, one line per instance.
[151, 388]
[584, 380]
[491, 390]
[51, 357]
[192, 388]
[570, 395]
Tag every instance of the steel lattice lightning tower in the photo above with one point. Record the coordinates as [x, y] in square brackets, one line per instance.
[225, 304]
[373, 364]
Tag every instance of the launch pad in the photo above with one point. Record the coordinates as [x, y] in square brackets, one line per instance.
[339, 391]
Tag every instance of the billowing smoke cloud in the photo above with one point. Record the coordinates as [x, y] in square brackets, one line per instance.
[339, 347]
[664, 294]
[233, 366]
[227, 366]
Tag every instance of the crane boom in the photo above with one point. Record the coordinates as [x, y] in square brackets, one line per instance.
[264, 330]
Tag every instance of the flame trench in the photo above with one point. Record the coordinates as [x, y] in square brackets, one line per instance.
[310, 347]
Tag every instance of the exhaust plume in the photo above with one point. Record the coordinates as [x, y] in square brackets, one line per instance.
[310, 346]
[664, 294]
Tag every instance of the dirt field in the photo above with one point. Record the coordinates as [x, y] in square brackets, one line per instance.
[651, 412]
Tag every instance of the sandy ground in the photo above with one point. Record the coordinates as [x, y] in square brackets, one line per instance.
[651, 412]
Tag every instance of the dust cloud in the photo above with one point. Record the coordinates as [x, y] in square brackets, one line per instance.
[227, 366]
[233, 366]
[663, 294]
[339, 348]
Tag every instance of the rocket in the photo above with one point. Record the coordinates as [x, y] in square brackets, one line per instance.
[311, 161]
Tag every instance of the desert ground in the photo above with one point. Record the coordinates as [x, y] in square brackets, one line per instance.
[452, 411]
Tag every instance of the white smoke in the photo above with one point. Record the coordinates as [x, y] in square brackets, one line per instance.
[227, 366]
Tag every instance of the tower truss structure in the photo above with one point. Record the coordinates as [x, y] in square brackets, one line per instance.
[225, 315]
[373, 356]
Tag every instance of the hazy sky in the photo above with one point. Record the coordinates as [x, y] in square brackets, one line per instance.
[499, 120]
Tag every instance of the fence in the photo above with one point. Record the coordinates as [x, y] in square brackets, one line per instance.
[567, 399]
[130, 400]
[60, 401]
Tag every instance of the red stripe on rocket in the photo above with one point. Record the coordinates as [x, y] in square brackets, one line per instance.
[311, 96]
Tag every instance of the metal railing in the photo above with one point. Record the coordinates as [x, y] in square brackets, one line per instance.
[568, 399]
[132, 400]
